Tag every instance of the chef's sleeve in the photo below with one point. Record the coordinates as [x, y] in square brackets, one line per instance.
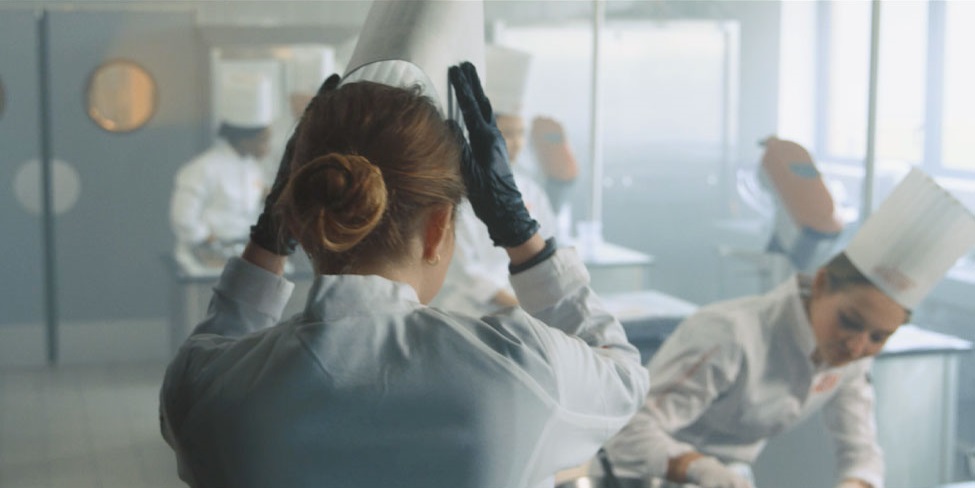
[698, 362]
[599, 380]
[851, 422]
[247, 298]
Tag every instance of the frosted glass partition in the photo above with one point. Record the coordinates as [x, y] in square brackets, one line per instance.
[667, 83]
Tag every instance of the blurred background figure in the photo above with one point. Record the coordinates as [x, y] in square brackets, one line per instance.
[555, 159]
[807, 222]
[218, 194]
[804, 221]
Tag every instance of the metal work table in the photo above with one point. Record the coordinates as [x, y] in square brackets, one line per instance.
[614, 268]
[648, 316]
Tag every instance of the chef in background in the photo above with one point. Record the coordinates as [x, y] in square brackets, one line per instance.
[218, 194]
[558, 166]
[477, 282]
[738, 372]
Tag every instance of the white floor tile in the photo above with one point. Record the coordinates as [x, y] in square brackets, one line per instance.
[83, 426]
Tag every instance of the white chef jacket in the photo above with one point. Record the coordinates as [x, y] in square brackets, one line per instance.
[369, 388]
[479, 269]
[734, 374]
[219, 193]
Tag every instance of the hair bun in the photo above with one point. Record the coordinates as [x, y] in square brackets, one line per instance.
[346, 196]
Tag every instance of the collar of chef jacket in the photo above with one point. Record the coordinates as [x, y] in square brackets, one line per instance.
[790, 294]
[341, 295]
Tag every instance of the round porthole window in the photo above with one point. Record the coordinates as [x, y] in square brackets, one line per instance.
[121, 96]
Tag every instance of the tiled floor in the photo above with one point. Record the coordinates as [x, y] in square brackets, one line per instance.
[83, 426]
[97, 426]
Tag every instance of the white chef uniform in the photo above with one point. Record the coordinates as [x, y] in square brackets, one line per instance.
[738, 372]
[219, 193]
[369, 388]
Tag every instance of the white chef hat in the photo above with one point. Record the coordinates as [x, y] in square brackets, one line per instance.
[343, 53]
[308, 68]
[912, 240]
[507, 77]
[407, 43]
[246, 99]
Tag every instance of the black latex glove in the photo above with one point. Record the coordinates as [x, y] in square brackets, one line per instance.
[268, 232]
[484, 165]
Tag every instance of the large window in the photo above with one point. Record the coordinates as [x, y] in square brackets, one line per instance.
[924, 95]
[957, 82]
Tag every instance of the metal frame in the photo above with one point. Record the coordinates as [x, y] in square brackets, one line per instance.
[51, 315]
[933, 94]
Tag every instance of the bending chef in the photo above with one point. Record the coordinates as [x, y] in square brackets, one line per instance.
[736, 373]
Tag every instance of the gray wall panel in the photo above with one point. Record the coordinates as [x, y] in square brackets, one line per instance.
[109, 246]
[21, 252]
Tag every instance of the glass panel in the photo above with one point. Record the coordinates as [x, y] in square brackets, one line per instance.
[849, 69]
[121, 96]
[901, 81]
[666, 88]
[669, 95]
[958, 152]
[798, 73]
[3, 99]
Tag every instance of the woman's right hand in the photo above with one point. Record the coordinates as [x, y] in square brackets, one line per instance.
[490, 185]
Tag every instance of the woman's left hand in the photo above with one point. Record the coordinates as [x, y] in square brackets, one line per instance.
[268, 233]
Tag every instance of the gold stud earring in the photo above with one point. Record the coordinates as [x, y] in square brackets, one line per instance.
[433, 262]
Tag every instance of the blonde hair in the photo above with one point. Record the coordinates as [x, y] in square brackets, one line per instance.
[370, 161]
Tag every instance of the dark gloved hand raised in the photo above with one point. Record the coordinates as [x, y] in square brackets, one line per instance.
[490, 185]
[268, 232]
